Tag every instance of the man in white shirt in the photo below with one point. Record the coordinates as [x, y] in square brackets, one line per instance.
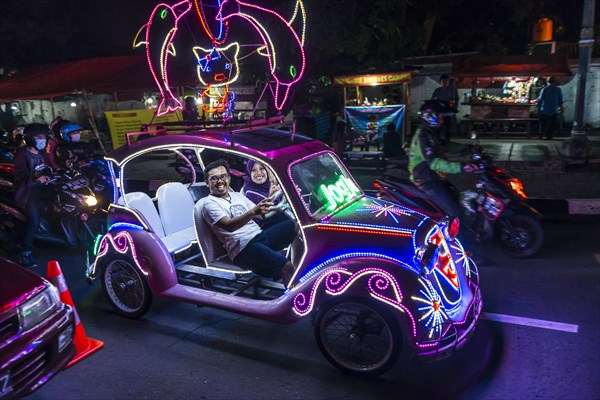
[231, 217]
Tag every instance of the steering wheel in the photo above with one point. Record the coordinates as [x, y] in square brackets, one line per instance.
[276, 209]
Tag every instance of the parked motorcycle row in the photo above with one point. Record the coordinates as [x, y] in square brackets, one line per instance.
[75, 216]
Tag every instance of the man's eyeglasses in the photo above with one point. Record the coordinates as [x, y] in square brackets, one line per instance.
[216, 178]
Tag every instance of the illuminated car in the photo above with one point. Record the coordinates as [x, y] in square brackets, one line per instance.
[36, 331]
[375, 275]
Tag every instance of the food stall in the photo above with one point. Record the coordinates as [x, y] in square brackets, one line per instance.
[504, 89]
[372, 101]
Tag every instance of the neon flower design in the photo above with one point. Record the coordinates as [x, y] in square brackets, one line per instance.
[381, 285]
[432, 309]
[122, 242]
[158, 34]
[386, 210]
[286, 55]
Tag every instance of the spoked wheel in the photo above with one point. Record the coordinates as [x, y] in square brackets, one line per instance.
[358, 337]
[521, 235]
[126, 288]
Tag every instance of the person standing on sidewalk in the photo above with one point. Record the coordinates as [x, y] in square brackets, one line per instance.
[449, 94]
[549, 106]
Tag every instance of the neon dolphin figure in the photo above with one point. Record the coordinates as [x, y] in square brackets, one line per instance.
[159, 32]
[257, 16]
[222, 27]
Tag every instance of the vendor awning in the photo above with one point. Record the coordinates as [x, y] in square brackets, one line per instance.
[95, 75]
[391, 78]
[506, 67]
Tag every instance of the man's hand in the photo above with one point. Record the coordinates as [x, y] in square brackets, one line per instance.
[262, 207]
[469, 168]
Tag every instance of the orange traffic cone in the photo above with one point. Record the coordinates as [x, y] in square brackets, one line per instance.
[84, 345]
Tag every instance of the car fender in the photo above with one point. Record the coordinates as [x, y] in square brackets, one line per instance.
[147, 251]
[385, 280]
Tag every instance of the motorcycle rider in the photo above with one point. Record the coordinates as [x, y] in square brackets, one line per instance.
[426, 162]
[31, 173]
[61, 147]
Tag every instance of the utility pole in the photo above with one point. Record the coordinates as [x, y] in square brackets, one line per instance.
[578, 144]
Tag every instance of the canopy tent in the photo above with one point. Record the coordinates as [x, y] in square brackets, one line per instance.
[96, 75]
[485, 69]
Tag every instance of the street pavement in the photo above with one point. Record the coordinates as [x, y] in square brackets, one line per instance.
[558, 186]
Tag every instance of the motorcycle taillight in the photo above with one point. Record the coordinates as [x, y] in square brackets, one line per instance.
[517, 186]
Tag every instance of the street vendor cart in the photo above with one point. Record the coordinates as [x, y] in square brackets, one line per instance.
[370, 103]
[504, 89]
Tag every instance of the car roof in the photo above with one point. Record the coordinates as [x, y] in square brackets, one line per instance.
[260, 142]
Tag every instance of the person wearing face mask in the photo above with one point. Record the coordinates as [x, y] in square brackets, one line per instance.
[31, 193]
[63, 147]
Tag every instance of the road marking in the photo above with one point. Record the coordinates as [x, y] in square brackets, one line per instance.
[536, 323]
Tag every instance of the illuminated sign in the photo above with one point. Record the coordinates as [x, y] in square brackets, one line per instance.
[339, 193]
[372, 80]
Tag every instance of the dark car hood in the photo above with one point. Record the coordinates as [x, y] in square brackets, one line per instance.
[16, 284]
[376, 213]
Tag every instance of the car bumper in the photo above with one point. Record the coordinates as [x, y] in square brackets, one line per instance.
[455, 335]
[34, 357]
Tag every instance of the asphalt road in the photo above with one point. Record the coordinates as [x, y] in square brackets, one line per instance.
[538, 339]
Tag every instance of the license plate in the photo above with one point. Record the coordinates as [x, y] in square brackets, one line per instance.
[77, 183]
[5, 387]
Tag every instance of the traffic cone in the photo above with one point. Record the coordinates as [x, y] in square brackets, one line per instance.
[84, 345]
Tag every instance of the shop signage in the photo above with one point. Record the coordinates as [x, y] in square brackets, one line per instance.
[372, 80]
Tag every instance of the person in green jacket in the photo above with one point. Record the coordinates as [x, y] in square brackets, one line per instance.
[426, 162]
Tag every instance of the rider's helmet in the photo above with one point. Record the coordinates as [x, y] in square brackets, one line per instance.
[68, 129]
[431, 112]
[33, 130]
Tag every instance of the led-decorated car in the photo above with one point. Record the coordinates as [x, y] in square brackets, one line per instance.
[378, 278]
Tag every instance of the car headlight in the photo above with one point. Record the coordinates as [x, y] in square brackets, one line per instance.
[38, 308]
[426, 257]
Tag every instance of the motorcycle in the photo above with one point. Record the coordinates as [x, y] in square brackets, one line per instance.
[73, 218]
[496, 207]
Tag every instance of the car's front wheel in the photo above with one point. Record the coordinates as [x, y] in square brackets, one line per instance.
[358, 336]
[125, 287]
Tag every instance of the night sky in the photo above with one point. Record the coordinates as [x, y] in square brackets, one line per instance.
[37, 32]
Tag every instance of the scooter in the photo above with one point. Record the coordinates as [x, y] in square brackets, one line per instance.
[72, 219]
[496, 207]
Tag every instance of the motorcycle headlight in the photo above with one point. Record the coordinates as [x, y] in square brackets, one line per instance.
[91, 201]
[40, 307]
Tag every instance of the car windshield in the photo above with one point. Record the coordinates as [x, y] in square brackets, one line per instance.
[323, 184]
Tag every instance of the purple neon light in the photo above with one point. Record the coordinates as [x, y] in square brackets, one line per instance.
[338, 280]
[122, 242]
[268, 43]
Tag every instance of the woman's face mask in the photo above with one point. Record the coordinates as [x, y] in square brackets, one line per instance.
[40, 144]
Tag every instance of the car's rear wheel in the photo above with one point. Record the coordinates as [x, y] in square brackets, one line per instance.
[125, 287]
[358, 336]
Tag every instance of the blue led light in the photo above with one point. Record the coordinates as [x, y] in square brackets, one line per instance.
[126, 225]
[314, 270]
